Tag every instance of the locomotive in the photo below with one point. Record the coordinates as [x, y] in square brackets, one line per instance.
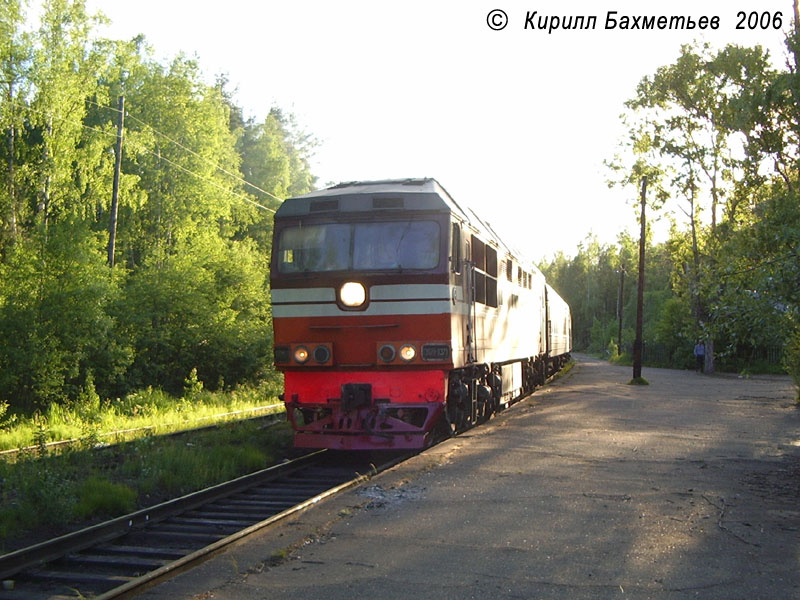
[400, 316]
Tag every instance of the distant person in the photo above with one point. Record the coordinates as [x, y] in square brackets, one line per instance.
[700, 356]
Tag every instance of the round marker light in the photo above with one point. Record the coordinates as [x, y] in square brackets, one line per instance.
[353, 294]
[408, 352]
[387, 353]
[301, 354]
[322, 354]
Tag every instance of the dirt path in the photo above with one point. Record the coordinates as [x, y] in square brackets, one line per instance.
[686, 488]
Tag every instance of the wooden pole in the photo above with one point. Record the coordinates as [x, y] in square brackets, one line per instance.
[637, 344]
[112, 225]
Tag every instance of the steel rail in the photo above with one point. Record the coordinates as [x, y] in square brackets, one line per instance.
[159, 574]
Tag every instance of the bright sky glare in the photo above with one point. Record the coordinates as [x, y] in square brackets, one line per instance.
[515, 123]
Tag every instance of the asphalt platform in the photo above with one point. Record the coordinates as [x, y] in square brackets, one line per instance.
[590, 488]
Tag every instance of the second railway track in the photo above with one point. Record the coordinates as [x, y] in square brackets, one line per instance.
[116, 558]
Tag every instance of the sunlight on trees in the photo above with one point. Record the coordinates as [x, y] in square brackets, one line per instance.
[190, 286]
[716, 132]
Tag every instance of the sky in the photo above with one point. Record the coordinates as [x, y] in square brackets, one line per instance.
[515, 123]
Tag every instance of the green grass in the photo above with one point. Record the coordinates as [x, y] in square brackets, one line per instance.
[100, 497]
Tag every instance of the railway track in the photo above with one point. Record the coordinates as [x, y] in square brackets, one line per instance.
[119, 557]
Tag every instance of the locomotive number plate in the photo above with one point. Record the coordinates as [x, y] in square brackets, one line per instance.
[435, 352]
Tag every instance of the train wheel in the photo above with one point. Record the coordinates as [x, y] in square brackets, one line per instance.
[442, 430]
[456, 417]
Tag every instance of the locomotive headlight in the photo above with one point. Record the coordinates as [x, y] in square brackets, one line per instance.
[301, 354]
[353, 294]
[408, 352]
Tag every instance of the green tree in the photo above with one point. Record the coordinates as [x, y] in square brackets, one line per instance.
[202, 306]
[687, 120]
[62, 77]
[276, 158]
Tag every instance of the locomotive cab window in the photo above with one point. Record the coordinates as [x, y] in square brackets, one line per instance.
[383, 245]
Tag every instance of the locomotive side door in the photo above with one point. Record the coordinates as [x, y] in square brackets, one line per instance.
[469, 293]
[463, 299]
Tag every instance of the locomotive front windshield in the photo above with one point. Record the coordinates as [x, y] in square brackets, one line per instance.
[388, 245]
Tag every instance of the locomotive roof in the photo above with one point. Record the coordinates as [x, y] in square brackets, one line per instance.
[357, 196]
[423, 194]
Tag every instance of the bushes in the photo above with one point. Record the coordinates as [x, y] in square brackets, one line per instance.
[55, 296]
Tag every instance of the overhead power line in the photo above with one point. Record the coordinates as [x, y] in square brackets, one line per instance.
[111, 134]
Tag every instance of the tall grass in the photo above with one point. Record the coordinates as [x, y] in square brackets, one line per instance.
[91, 420]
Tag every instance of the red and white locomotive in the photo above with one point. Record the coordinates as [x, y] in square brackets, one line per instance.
[400, 315]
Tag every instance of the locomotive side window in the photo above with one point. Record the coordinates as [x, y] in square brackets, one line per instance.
[455, 249]
[484, 260]
[478, 254]
[491, 292]
[491, 276]
[480, 287]
[359, 246]
[491, 261]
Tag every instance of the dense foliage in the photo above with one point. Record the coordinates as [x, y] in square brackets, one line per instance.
[717, 135]
[188, 287]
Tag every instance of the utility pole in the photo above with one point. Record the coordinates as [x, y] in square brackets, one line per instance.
[112, 225]
[637, 344]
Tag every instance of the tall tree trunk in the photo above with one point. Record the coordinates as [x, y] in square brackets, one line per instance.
[12, 191]
[43, 208]
[794, 45]
[795, 34]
